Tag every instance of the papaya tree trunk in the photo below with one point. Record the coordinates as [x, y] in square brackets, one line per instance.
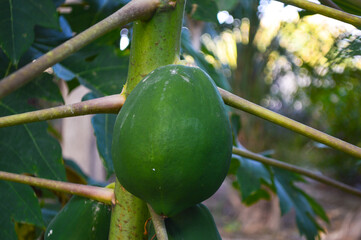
[155, 43]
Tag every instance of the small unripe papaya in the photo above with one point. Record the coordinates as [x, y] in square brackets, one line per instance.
[194, 223]
[172, 140]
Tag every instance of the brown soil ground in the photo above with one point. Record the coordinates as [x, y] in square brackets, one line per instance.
[262, 221]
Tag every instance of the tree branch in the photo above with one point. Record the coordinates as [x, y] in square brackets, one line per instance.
[134, 10]
[247, 106]
[109, 104]
[326, 11]
[100, 194]
[159, 225]
[112, 104]
[299, 170]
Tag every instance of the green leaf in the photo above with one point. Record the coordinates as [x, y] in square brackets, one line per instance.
[40, 153]
[203, 10]
[45, 40]
[227, 5]
[17, 21]
[103, 125]
[90, 12]
[5, 65]
[44, 88]
[305, 207]
[351, 6]
[27, 149]
[103, 69]
[250, 176]
[18, 203]
[79, 174]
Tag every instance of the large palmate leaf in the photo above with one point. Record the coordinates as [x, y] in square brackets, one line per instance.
[103, 125]
[256, 180]
[291, 197]
[100, 68]
[18, 203]
[251, 175]
[17, 21]
[27, 149]
[40, 153]
[253, 178]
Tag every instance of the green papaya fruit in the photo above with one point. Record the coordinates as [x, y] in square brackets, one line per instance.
[80, 219]
[172, 140]
[194, 223]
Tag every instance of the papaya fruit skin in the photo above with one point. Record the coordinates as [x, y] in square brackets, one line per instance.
[194, 223]
[172, 140]
[80, 219]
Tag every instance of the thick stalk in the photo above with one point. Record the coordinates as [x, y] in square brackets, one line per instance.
[108, 104]
[100, 194]
[134, 10]
[129, 215]
[326, 11]
[247, 106]
[155, 43]
[299, 170]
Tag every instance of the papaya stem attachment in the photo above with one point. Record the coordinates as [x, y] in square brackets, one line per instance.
[326, 11]
[289, 167]
[158, 223]
[134, 10]
[100, 194]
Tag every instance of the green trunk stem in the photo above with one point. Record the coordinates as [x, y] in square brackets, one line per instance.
[129, 215]
[155, 43]
[326, 11]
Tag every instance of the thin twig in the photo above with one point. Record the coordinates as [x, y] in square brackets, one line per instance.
[134, 10]
[299, 170]
[326, 11]
[158, 223]
[109, 104]
[100, 194]
[247, 106]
